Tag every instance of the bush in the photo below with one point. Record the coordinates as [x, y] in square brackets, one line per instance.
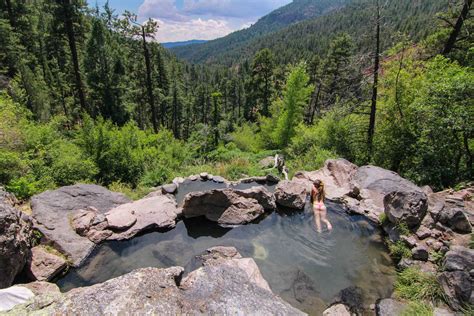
[246, 138]
[414, 285]
[398, 250]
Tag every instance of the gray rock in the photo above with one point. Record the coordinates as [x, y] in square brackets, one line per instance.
[15, 239]
[225, 206]
[457, 288]
[456, 219]
[121, 218]
[178, 180]
[224, 287]
[204, 175]
[53, 212]
[193, 178]
[272, 178]
[406, 207]
[44, 265]
[218, 179]
[261, 194]
[158, 212]
[82, 221]
[267, 162]
[170, 188]
[423, 233]
[351, 297]
[337, 310]
[409, 241]
[442, 312]
[420, 253]
[291, 194]
[389, 307]
[459, 259]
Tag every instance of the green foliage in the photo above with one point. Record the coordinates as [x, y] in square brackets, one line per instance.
[246, 138]
[383, 219]
[132, 193]
[414, 285]
[417, 309]
[295, 97]
[398, 250]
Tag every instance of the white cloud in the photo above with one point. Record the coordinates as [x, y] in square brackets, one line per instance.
[171, 31]
[204, 19]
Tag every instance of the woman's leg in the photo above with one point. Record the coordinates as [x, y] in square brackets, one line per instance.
[324, 212]
[317, 218]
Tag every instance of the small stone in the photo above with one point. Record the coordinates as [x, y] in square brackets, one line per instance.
[409, 241]
[423, 233]
[210, 177]
[389, 307]
[120, 220]
[372, 307]
[437, 245]
[337, 310]
[193, 178]
[420, 253]
[170, 188]
[204, 175]
[218, 179]
[178, 181]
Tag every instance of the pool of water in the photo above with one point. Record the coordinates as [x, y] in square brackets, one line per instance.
[305, 268]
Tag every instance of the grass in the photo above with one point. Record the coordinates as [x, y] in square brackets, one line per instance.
[417, 309]
[437, 256]
[414, 285]
[383, 219]
[471, 243]
[133, 194]
[398, 250]
[403, 229]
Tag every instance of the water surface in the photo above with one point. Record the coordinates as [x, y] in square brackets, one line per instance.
[305, 268]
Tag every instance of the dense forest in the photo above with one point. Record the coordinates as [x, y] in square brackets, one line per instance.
[88, 96]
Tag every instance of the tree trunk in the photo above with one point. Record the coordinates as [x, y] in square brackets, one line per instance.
[457, 27]
[315, 103]
[149, 83]
[11, 17]
[68, 24]
[373, 109]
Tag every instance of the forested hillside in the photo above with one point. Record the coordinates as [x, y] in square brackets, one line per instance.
[314, 33]
[88, 96]
[298, 10]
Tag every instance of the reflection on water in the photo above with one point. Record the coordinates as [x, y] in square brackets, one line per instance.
[305, 268]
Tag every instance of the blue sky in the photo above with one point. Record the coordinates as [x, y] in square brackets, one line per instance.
[181, 20]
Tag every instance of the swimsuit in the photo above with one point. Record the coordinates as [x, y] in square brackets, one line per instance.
[319, 204]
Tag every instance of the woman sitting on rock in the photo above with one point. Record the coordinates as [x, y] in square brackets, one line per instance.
[319, 209]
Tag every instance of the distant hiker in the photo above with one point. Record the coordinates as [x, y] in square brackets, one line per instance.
[320, 211]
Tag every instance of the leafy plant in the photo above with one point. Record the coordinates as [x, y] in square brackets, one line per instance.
[398, 250]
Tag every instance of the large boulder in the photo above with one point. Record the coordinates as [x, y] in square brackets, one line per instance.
[15, 239]
[456, 279]
[222, 286]
[13, 296]
[53, 212]
[336, 175]
[406, 207]
[337, 310]
[456, 219]
[228, 206]
[292, 194]
[44, 265]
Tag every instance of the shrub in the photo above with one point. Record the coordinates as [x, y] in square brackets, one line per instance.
[246, 138]
[398, 250]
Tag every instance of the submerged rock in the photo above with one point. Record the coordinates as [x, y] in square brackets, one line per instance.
[54, 210]
[226, 284]
[351, 297]
[228, 206]
[15, 239]
[292, 194]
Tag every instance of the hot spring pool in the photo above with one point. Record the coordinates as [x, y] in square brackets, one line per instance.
[305, 268]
